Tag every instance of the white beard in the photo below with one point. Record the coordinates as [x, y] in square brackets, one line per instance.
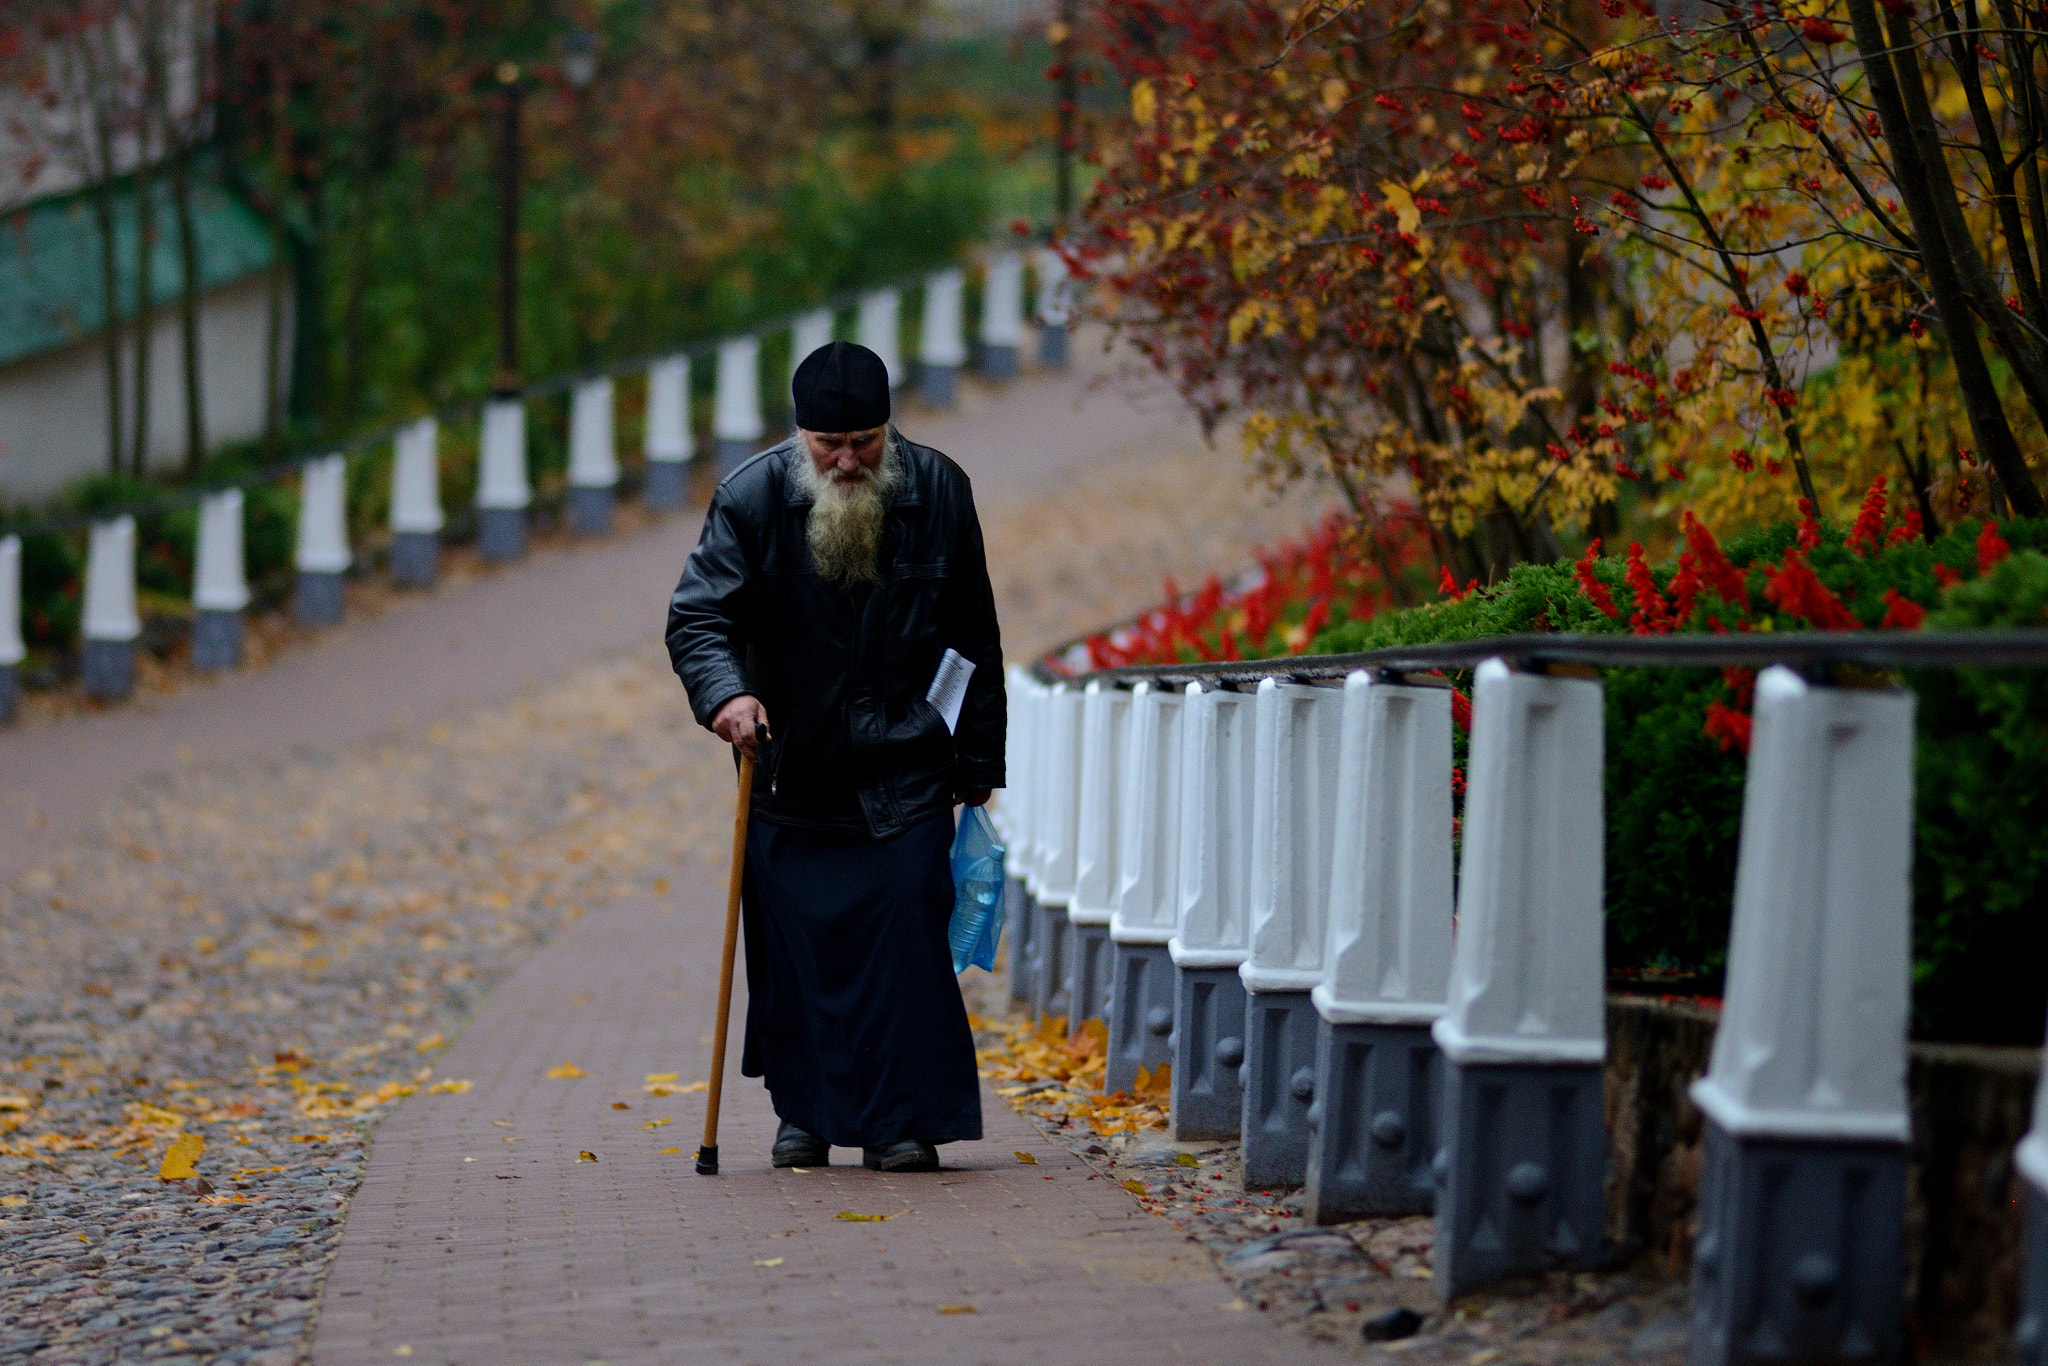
[845, 528]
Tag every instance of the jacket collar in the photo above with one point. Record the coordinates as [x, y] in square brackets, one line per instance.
[906, 493]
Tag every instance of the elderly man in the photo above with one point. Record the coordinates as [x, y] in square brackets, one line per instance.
[837, 577]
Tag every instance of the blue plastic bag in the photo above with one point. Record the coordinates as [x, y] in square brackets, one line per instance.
[977, 892]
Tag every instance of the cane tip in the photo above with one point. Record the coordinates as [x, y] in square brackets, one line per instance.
[707, 1160]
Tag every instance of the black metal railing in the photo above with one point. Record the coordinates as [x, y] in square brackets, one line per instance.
[1812, 651]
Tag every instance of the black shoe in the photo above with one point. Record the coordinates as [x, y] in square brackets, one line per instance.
[796, 1148]
[904, 1155]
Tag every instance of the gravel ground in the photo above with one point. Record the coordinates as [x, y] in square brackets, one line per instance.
[269, 956]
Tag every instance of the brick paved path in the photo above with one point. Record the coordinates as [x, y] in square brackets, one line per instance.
[478, 1237]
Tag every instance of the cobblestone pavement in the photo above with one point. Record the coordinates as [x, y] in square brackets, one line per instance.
[546, 1218]
[267, 944]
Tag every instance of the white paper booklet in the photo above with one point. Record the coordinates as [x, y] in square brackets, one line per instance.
[949, 687]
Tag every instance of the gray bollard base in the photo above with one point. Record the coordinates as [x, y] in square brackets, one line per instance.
[414, 558]
[10, 692]
[590, 510]
[216, 639]
[1372, 1150]
[1140, 1013]
[1801, 1251]
[1052, 346]
[1088, 970]
[1208, 1054]
[730, 454]
[501, 533]
[1049, 959]
[1521, 1172]
[938, 386]
[999, 362]
[318, 600]
[1017, 920]
[1279, 1087]
[666, 486]
[106, 669]
[2030, 1334]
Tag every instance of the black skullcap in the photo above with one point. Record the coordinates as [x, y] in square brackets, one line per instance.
[841, 387]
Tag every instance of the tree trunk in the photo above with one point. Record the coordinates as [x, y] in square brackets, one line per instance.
[188, 306]
[1973, 376]
[110, 335]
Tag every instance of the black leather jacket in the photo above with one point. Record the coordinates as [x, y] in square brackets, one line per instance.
[843, 674]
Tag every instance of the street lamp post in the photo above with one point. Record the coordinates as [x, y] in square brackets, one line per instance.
[1052, 335]
[506, 383]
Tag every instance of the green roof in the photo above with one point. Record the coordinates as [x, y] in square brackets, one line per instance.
[50, 287]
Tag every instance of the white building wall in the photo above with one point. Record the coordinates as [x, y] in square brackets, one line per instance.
[53, 406]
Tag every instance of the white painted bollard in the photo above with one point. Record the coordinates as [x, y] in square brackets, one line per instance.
[879, 329]
[1522, 1168]
[1014, 815]
[220, 583]
[1803, 1181]
[503, 489]
[1058, 826]
[1055, 308]
[593, 458]
[942, 338]
[736, 423]
[1373, 1137]
[668, 442]
[416, 519]
[1294, 813]
[1212, 935]
[111, 624]
[1002, 316]
[2030, 1334]
[12, 648]
[1148, 889]
[322, 554]
[1105, 724]
[812, 331]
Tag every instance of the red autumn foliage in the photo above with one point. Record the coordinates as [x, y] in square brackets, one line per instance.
[1868, 534]
[1991, 547]
[1652, 616]
[1795, 589]
[1595, 590]
[1901, 614]
[1727, 582]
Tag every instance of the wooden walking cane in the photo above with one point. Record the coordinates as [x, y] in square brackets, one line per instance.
[707, 1155]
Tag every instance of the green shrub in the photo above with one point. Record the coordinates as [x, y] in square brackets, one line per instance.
[1674, 792]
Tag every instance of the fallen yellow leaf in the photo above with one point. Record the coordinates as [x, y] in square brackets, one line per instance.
[620, 1105]
[15, 1100]
[429, 1044]
[448, 1088]
[664, 1152]
[307, 1138]
[1027, 1159]
[567, 1069]
[11, 1201]
[767, 1261]
[223, 1199]
[179, 1157]
[1136, 1187]
[256, 1171]
[657, 1123]
[851, 1217]
[663, 1076]
[1188, 1160]
[956, 1309]
[586, 1157]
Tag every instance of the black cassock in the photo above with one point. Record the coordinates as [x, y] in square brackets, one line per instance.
[854, 1016]
[853, 1013]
